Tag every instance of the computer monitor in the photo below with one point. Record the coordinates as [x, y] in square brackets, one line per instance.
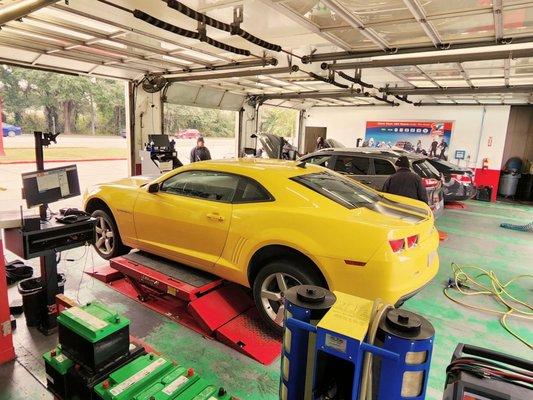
[50, 185]
[159, 140]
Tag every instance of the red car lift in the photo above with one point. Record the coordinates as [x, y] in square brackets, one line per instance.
[203, 302]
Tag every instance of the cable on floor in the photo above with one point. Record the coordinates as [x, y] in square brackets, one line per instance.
[467, 280]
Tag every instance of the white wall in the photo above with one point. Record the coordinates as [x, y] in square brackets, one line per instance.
[472, 126]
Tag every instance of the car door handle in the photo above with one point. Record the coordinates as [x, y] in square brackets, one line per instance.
[366, 182]
[215, 217]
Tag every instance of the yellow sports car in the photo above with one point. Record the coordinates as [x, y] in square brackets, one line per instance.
[269, 225]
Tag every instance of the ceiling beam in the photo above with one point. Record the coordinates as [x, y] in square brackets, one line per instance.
[507, 71]
[497, 11]
[346, 55]
[445, 57]
[356, 23]
[464, 74]
[420, 15]
[459, 91]
[304, 22]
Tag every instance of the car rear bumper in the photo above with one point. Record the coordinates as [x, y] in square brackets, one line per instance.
[463, 192]
[392, 278]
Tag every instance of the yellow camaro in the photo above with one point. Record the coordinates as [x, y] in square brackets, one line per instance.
[270, 225]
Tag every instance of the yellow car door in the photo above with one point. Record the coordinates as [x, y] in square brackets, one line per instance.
[188, 218]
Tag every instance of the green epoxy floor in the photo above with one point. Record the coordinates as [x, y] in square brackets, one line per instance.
[474, 239]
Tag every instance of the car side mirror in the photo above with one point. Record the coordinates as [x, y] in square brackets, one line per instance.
[153, 188]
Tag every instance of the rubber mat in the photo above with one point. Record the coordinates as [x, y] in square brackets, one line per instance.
[177, 271]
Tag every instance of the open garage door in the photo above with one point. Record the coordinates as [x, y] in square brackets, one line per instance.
[194, 111]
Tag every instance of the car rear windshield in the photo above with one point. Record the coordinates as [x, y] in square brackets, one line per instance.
[425, 169]
[341, 190]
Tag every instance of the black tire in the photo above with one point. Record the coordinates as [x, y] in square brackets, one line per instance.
[297, 272]
[106, 229]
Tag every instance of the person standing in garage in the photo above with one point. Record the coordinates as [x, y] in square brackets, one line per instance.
[200, 152]
[405, 182]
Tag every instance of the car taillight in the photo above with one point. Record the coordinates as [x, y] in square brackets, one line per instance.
[412, 241]
[397, 245]
[462, 178]
[430, 182]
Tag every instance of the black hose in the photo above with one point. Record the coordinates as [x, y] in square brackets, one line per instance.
[186, 33]
[355, 80]
[327, 80]
[233, 29]
[403, 98]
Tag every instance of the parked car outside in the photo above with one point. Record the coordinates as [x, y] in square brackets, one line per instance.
[317, 227]
[188, 134]
[458, 181]
[372, 167]
[11, 130]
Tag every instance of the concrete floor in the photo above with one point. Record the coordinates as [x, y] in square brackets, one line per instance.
[474, 239]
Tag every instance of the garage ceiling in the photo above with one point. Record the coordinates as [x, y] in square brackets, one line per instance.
[393, 48]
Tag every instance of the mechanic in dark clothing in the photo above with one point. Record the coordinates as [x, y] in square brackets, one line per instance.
[405, 183]
[200, 152]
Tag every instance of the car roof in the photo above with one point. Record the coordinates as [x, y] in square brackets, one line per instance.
[387, 153]
[255, 167]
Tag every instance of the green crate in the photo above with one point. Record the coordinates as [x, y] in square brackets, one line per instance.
[170, 385]
[134, 377]
[203, 390]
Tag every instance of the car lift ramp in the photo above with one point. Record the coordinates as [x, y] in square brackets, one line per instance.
[215, 308]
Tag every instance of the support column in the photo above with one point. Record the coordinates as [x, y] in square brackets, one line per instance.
[7, 351]
[148, 120]
[249, 125]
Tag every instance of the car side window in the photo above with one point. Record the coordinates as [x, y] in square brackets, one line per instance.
[383, 167]
[250, 191]
[324, 161]
[208, 185]
[352, 165]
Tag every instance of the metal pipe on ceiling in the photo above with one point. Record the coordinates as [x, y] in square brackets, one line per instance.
[22, 8]
[234, 65]
[459, 90]
[314, 95]
[357, 105]
[431, 59]
[347, 55]
[468, 104]
[234, 74]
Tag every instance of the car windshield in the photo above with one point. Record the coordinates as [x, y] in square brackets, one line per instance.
[341, 190]
[425, 169]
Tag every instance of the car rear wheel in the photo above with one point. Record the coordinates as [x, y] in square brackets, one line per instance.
[273, 281]
[108, 244]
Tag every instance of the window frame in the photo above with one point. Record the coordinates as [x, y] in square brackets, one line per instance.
[370, 163]
[237, 195]
[374, 166]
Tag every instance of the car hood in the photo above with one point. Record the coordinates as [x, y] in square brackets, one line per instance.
[135, 181]
[272, 144]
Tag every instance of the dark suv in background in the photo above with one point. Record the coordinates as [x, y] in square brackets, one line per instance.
[373, 166]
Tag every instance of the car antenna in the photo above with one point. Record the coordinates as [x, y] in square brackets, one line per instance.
[301, 164]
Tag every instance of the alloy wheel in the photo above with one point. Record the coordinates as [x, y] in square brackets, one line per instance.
[104, 236]
[273, 291]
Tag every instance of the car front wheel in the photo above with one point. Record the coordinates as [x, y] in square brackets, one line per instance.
[108, 244]
[273, 281]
